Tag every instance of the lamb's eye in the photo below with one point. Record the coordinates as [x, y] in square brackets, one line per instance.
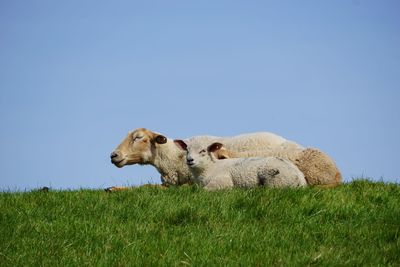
[202, 151]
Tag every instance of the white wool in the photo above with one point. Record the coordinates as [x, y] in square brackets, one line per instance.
[169, 159]
[214, 174]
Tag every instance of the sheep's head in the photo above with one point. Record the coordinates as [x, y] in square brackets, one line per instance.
[138, 147]
[198, 156]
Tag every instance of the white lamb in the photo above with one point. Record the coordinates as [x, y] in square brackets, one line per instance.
[213, 173]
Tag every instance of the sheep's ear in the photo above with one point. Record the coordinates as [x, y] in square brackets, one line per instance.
[214, 147]
[160, 139]
[181, 144]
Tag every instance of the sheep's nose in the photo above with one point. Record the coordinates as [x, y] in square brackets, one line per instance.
[189, 161]
[115, 157]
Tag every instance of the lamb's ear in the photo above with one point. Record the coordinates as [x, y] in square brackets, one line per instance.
[214, 147]
[181, 144]
[160, 139]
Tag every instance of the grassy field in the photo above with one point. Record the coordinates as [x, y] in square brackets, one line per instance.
[357, 224]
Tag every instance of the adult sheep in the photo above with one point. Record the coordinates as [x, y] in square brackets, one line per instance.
[214, 174]
[146, 147]
[143, 146]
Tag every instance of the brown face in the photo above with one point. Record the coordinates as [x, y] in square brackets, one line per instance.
[137, 147]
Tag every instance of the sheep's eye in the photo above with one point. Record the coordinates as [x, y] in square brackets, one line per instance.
[137, 138]
[202, 151]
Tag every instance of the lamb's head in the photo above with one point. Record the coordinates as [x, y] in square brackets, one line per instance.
[198, 155]
[138, 147]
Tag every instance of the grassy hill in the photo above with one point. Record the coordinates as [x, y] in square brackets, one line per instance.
[357, 224]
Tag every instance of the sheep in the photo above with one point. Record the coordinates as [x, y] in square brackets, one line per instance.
[143, 147]
[317, 167]
[214, 174]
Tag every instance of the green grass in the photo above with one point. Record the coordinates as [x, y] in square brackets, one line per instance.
[356, 224]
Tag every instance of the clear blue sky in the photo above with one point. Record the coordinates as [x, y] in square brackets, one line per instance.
[76, 76]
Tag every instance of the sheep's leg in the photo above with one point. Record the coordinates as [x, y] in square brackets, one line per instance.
[122, 188]
[268, 177]
[115, 188]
